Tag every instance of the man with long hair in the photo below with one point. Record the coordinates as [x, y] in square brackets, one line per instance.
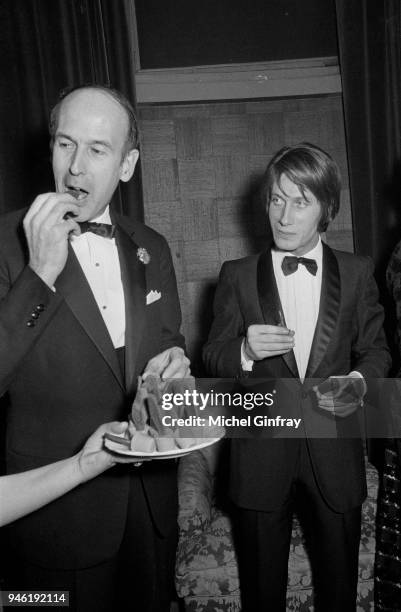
[301, 311]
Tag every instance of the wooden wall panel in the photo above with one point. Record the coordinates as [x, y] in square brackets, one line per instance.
[159, 140]
[230, 135]
[200, 219]
[235, 217]
[193, 138]
[266, 132]
[232, 175]
[202, 260]
[160, 180]
[166, 218]
[197, 179]
[300, 127]
[202, 164]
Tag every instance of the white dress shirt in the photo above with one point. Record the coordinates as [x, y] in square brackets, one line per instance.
[300, 299]
[98, 258]
[299, 294]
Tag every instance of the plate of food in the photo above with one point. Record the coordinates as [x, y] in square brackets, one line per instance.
[147, 437]
[121, 448]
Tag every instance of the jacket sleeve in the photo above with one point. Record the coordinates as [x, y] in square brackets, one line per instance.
[27, 304]
[370, 354]
[171, 311]
[222, 352]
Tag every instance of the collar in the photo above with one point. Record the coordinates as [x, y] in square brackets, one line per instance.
[104, 217]
[315, 253]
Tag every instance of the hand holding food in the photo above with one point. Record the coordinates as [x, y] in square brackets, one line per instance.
[147, 431]
[48, 225]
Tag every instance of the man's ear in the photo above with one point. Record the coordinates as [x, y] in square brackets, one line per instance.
[330, 213]
[128, 165]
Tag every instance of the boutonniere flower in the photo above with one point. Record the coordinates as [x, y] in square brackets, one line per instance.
[143, 255]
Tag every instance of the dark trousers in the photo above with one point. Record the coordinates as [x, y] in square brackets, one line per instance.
[139, 578]
[332, 540]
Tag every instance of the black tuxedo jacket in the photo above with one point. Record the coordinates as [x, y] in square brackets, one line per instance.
[60, 373]
[348, 336]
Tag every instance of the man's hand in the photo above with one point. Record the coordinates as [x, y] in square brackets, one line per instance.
[342, 395]
[267, 341]
[171, 363]
[47, 233]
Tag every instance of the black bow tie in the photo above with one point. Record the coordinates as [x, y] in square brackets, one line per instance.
[106, 230]
[290, 264]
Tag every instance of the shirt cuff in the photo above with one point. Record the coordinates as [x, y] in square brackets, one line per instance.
[246, 364]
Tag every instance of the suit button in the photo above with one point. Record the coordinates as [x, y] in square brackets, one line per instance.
[40, 307]
[304, 395]
[30, 323]
[35, 315]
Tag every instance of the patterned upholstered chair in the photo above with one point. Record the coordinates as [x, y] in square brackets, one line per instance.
[206, 571]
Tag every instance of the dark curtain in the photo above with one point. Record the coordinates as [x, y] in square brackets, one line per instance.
[46, 46]
[369, 36]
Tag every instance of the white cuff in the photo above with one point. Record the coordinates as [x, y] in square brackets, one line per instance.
[246, 364]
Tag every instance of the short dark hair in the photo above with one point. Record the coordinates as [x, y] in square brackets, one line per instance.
[308, 167]
[132, 140]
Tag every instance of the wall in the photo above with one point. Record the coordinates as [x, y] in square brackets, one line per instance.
[201, 166]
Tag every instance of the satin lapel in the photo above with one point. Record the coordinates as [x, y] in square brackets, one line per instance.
[270, 302]
[330, 297]
[74, 287]
[134, 283]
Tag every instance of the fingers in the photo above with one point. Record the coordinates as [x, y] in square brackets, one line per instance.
[115, 427]
[156, 365]
[51, 206]
[271, 344]
[71, 227]
[269, 329]
[47, 231]
[264, 354]
[128, 460]
[342, 389]
[96, 439]
[178, 366]
[176, 371]
[46, 217]
[171, 363]
[151, 370]
[264, 341]
[338, 409]
[45, 220]
[52, 218]
[336, 396]
[36, 206]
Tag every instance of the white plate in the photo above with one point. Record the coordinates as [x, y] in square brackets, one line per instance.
[171, 454]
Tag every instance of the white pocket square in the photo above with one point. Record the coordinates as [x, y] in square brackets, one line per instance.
[152, 296]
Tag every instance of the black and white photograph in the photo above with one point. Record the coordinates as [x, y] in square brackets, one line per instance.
[200, 305]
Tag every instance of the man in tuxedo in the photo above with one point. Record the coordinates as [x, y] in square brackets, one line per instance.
[88, 302]
[300, 311]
